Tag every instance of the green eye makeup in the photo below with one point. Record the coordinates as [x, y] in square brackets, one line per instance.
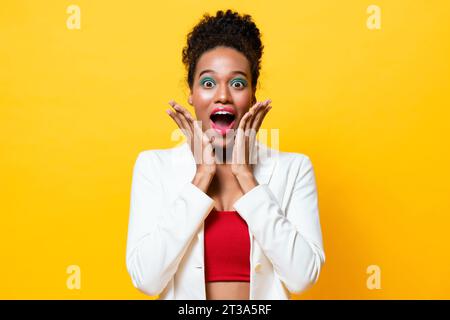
[239, 80]
[243, 82]
[206, 79]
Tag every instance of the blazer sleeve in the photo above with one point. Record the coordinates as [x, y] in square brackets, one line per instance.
[291, 241]
[159, 233]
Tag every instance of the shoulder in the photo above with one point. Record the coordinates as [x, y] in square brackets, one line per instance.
[293, 156]
[154, 158]
[293, 161]
[295, 169]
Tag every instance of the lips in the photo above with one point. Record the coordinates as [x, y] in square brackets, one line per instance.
[222, 119]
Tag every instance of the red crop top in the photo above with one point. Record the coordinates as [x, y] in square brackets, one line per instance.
[227, 247]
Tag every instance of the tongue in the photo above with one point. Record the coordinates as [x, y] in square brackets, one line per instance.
[221, 123]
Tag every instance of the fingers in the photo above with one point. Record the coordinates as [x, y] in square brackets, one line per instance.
[179, 117]
[201, 145]
[187, 116]
[251, 112]
[250, 124]
[199, 134]
[256, 112]
[251, 130]
[246, 122]
[260, 117]
[243, 122]
[174, 116]
[187, 119]
[240, 142]
[183, 115]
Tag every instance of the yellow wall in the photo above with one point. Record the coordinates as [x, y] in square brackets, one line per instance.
[370, 107]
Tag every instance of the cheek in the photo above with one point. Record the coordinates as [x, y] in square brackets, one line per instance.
[243, 102]
[204, 96]
[202, 100]
[243, 99]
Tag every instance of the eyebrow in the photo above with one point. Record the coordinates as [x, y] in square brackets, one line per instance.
[236, 71]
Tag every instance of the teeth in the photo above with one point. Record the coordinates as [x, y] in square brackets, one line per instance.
[223, 112]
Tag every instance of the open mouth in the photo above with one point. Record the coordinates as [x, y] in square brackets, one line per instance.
[222, 120]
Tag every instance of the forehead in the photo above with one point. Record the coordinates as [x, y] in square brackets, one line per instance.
[223, 61]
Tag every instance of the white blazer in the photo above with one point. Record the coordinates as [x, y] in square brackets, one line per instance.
[164, 254]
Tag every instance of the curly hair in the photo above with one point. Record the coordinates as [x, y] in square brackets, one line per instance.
[227, 29]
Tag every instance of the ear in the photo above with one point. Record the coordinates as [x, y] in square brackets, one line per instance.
[190, 99]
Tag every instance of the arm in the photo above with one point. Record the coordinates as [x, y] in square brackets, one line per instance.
[159, 233]
[293, 243]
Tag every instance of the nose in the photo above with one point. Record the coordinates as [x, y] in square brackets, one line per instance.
[223, 95]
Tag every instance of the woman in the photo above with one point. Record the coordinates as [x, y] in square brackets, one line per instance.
[222, 216]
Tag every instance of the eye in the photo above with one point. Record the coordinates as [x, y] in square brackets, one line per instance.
[239, 83]
[207, 82]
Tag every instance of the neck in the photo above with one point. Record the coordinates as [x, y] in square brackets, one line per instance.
[223, 170]
[224, 156]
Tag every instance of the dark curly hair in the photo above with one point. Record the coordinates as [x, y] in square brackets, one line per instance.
[227, 29]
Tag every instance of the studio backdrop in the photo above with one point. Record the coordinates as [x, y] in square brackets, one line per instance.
[361, 87]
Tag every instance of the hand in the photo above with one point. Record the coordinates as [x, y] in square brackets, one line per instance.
[244, 143]
[201, 146]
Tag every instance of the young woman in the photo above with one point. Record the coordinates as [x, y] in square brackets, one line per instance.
[222, 216]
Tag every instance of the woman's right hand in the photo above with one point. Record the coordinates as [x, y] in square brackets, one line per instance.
[201, 146]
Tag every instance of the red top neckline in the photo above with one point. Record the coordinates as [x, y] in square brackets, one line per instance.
[225, 211]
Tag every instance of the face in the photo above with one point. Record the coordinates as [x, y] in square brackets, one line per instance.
[221, 92]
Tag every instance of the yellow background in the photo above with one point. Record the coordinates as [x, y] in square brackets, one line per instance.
[370, 108]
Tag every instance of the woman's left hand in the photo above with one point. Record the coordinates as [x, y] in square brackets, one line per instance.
[245, 138]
